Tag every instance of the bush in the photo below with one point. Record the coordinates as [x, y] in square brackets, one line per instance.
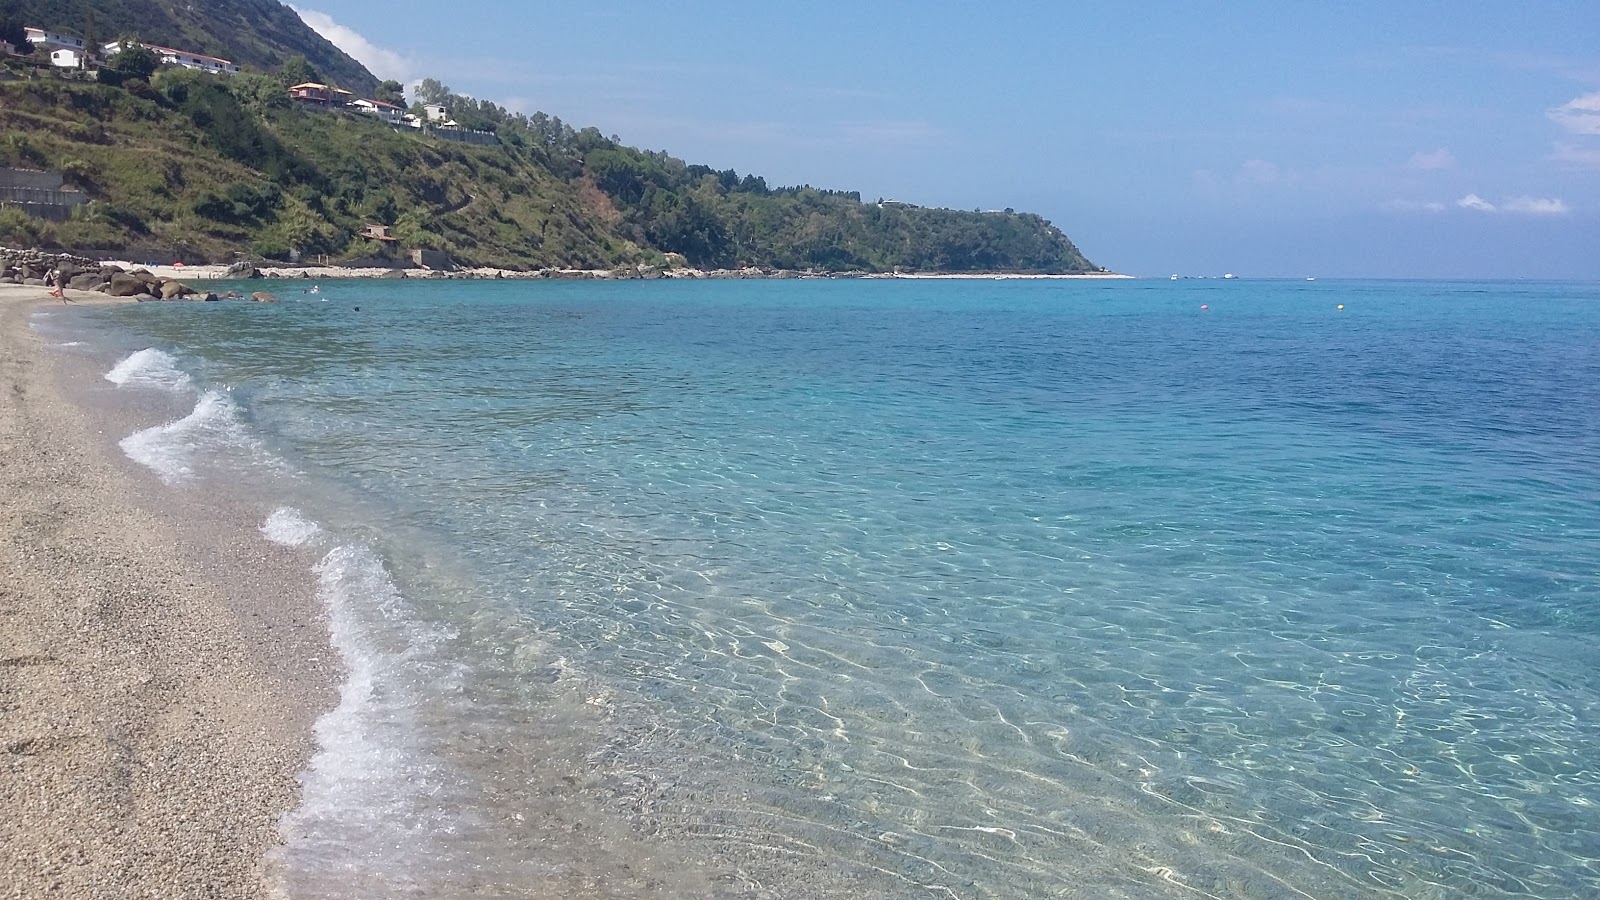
[270, 248]
[17, 228]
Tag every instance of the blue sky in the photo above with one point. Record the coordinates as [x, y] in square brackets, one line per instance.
[1363, 139]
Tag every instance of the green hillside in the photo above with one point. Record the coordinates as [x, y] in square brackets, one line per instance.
[260, 34]
[204, 167]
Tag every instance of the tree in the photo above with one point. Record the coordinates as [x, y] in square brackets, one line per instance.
[298, 70]
[12, 32]
[132, 62]
[391, 91]
[431, 93]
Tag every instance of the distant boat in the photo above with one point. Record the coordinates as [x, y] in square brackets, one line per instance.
[1229, 275]
[1174, 278]
[1310, 278]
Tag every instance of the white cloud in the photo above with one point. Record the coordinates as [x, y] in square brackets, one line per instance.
[382, 62]
[1524, 206]
[1582, 156]
[1438, 160]
[1579, 116]
[1536, 206]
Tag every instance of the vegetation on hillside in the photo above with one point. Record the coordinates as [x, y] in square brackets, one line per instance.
[262, 34]
[207, 166]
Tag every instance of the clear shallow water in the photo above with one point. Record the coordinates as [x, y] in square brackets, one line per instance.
[974, 589]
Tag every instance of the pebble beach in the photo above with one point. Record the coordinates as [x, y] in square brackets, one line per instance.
[161, 665]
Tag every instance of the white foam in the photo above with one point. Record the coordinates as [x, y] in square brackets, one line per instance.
[375, 802]
[288, 527]
[149, 368]
[171, 449]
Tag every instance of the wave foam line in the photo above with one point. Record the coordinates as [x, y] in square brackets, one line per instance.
[375, 802]
[214, 429]
[289, 527]
[149, 368]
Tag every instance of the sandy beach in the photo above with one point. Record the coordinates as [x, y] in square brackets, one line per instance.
[161, 664]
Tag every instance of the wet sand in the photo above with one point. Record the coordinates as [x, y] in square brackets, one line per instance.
[161, 664]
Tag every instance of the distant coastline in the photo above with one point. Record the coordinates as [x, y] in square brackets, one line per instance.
[216, 272]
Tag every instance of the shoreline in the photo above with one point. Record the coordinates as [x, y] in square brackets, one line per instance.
[640, 273]
[161, 663]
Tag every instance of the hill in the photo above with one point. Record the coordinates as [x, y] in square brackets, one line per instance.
[202, 167]
[261, 34]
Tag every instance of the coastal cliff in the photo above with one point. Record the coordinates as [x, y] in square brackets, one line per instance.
[207, 168]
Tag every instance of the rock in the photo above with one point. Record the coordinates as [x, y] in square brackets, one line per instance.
[10, 280]
[263, 297]
[123, 284]
[212, 298]
[394, 273]
[172, 290]
[33, 282]
[86, 281]
[107, 271]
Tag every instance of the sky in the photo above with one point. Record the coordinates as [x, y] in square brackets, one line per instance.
[1286, 139]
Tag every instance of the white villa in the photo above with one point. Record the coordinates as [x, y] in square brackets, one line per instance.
[68, 58]
[50, 40]
[171, 57]
[387, 112]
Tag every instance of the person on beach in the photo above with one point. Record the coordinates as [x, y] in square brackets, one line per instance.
[53, 281]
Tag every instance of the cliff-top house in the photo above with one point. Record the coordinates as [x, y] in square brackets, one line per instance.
[197, 61]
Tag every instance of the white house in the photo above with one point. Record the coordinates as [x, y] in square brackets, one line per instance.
[388, 112]
[188, 60]
[435, 112]
[50, 40]
[67, 58]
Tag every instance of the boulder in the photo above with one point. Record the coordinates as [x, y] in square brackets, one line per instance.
[86, 281]
[393, 273]
[33, 282]
[263, 297]
[108, 270]
[173, 289]
[123, 284]
[212, 298]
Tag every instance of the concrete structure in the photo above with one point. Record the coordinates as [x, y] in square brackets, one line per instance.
[432, 259]
[169, 56]
[450, 131]
[41, 194]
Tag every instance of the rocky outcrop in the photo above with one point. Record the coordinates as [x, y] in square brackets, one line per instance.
[81, 274]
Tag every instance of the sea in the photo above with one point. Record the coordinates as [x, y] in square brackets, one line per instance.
[916, 588]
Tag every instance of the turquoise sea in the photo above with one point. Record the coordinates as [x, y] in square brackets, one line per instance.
[976, 589]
